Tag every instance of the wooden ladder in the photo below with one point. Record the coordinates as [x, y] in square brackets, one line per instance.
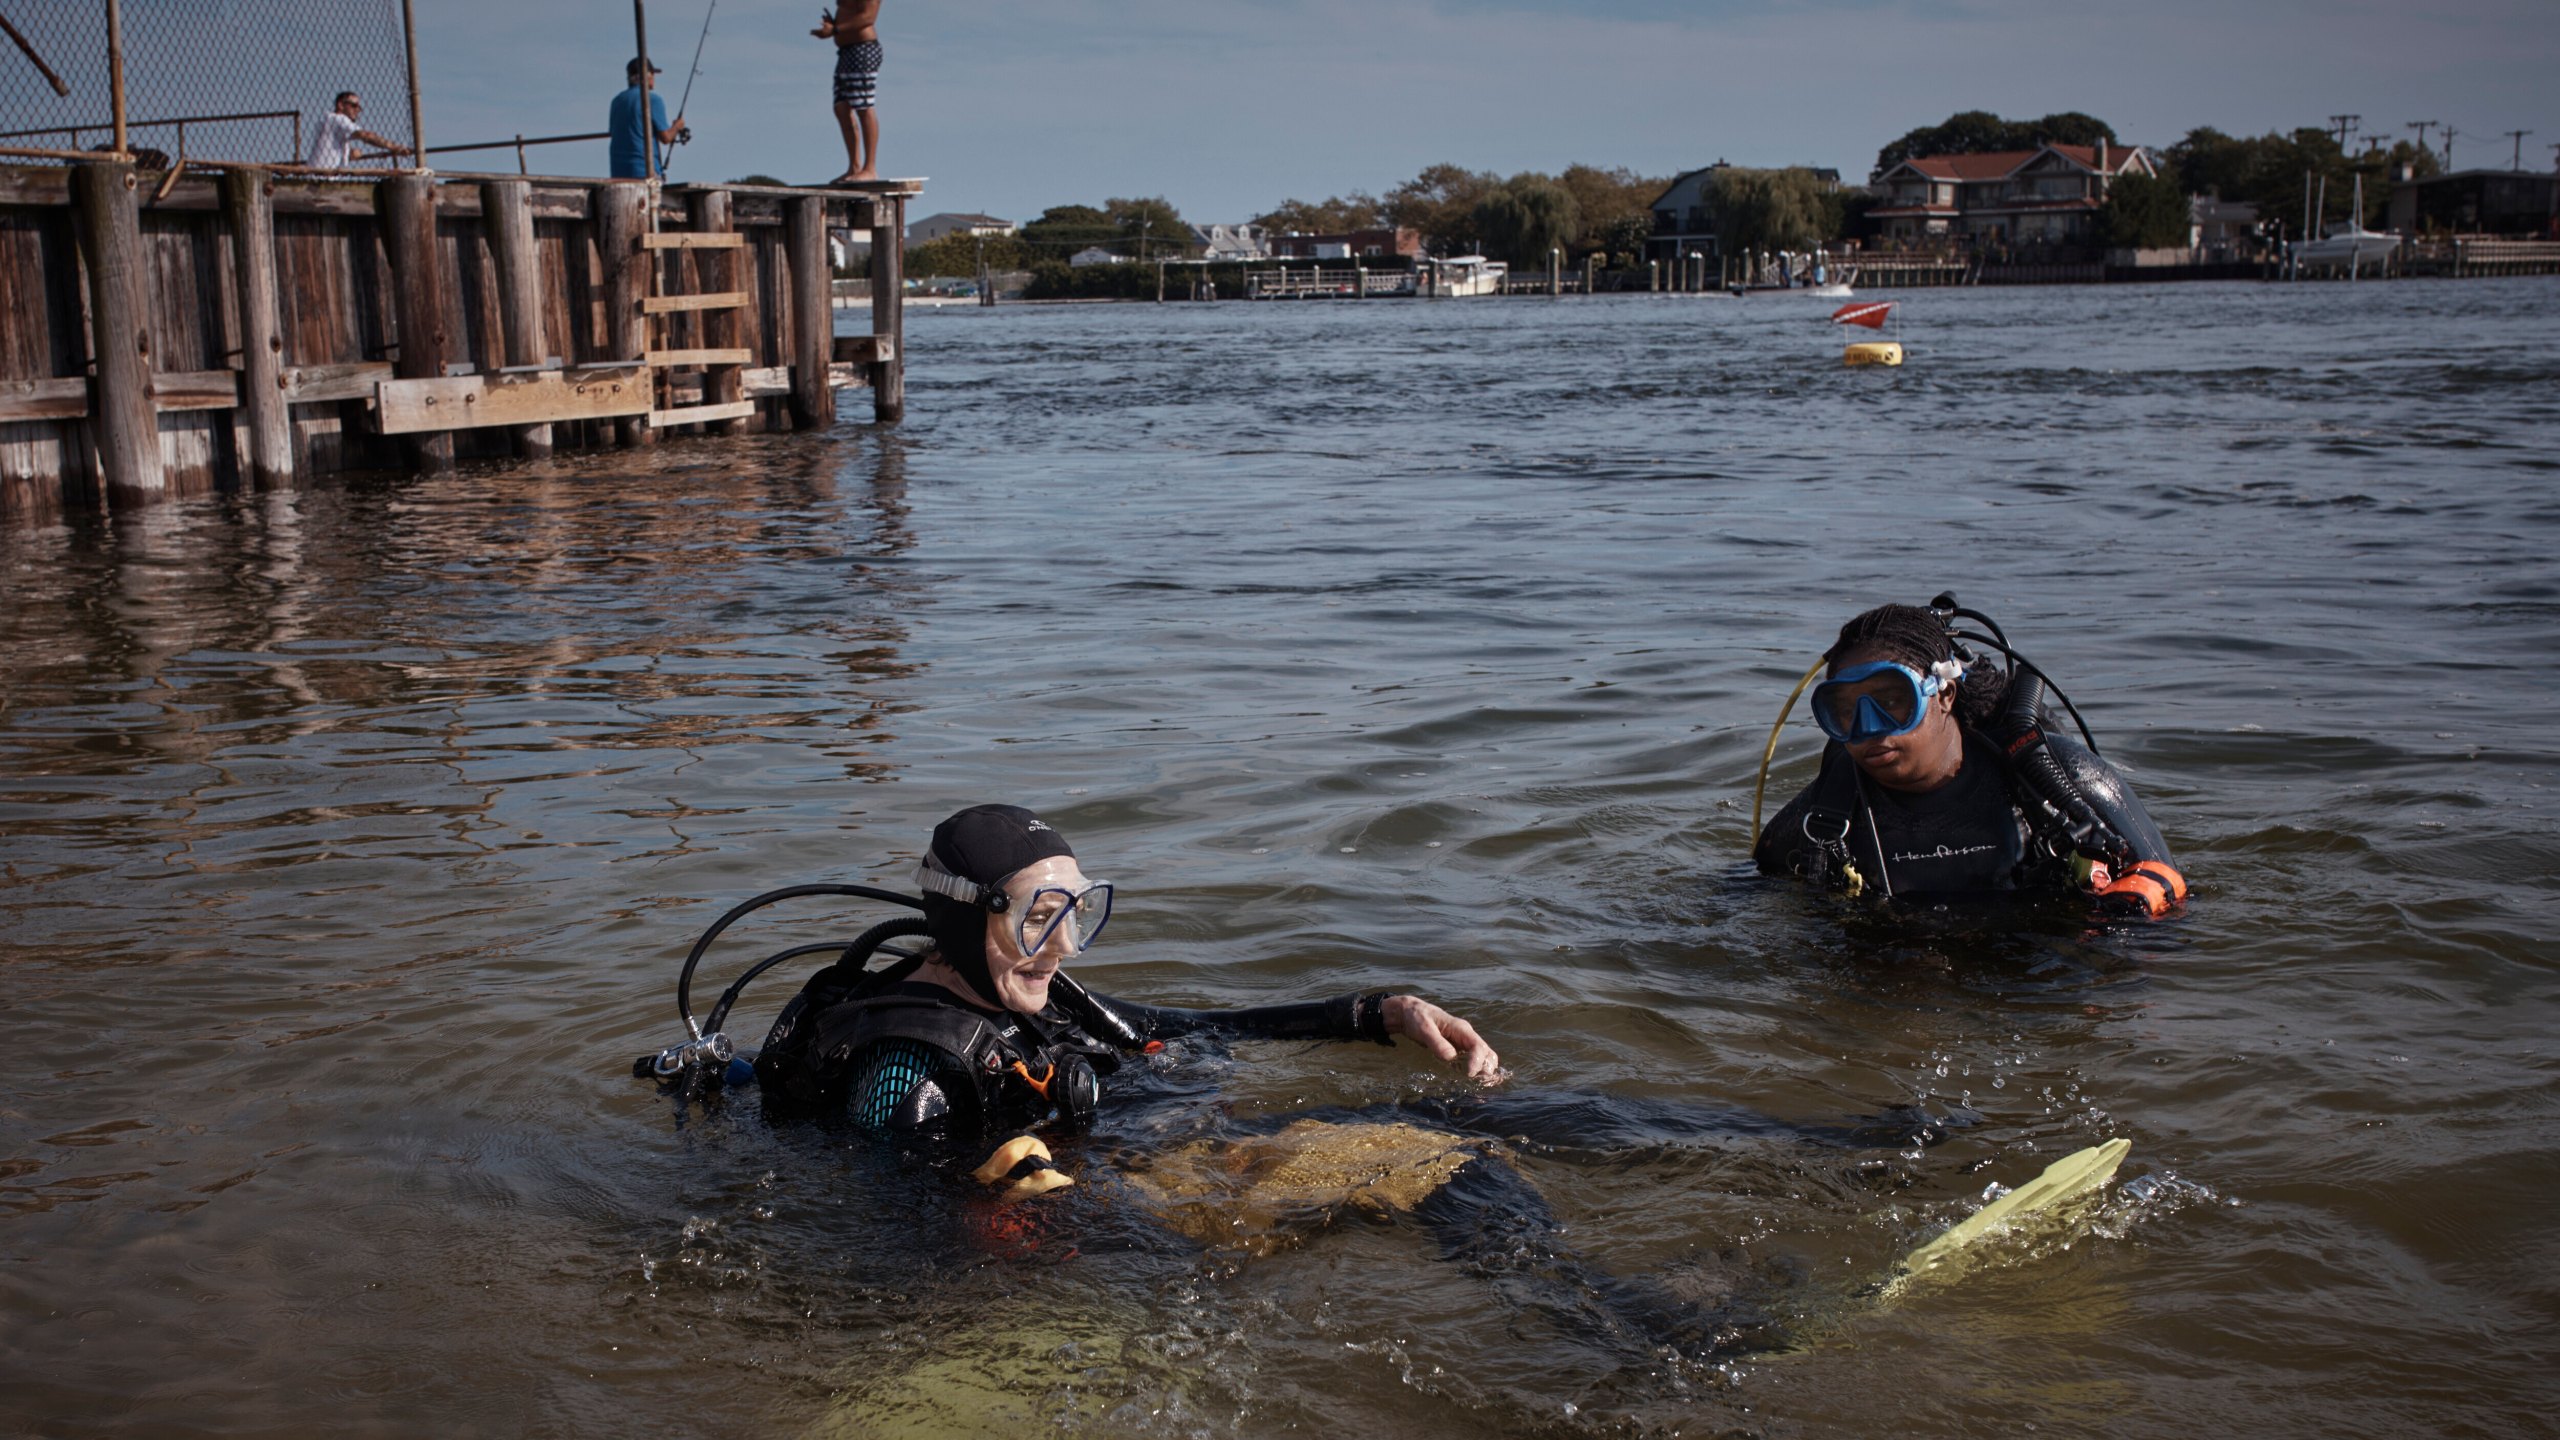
[721, 367]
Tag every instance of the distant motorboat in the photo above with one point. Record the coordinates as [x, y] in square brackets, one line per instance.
[1468, 275]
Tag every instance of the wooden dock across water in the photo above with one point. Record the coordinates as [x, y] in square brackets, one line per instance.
[248, 327]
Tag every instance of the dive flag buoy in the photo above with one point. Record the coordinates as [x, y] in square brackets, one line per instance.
[1871, 314]
[2068, 1179]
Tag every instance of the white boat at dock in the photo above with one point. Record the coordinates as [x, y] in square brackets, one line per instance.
[2346, 245]
[1468, 275]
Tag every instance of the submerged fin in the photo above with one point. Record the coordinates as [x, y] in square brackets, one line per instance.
[2064, 1181]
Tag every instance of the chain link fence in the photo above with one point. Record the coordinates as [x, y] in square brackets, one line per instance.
[238, 81]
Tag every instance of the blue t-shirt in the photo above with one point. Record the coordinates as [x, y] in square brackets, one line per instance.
[629, 158]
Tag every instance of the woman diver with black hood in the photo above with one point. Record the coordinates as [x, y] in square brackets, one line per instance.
[981, 1034]
[1942, 776]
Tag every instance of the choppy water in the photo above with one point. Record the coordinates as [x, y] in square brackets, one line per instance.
[351, 839]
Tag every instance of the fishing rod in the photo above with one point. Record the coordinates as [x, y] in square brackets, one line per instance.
[684, 132]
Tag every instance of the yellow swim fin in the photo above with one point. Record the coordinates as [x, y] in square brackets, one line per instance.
[2065, 1180]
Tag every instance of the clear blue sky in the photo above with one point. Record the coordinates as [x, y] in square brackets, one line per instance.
[1227, 108]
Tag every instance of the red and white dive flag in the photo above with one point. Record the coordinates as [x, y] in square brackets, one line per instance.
[1869, 313]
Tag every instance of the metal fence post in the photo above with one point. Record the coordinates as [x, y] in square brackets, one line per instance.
[417, 111]
[115, 67]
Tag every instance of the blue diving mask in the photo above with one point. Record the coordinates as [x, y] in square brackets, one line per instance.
[1879, 699]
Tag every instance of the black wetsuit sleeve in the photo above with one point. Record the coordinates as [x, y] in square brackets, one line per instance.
[1783, 848]
[1344, 1017]
[2112, 799]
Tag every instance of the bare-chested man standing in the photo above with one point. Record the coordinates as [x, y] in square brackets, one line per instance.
[856, 30]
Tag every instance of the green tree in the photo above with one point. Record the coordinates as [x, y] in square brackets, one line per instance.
[1612, 204]
[959, 253]
[1062, 230]
[1441, 204]
[1979, 132]
[758, 180]
[1150, 228]
[1524, 219]
[1355, 211]
[1771, 209]
[2280, 174]
[2146, 212]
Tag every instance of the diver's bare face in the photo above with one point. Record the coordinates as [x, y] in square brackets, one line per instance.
[1022, 981]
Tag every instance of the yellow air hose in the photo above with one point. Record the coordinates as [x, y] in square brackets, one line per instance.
[1762, 789]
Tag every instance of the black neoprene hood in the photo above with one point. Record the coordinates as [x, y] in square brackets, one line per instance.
[982, 845]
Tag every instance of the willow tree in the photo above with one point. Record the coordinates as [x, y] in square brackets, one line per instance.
[1529, 216]
[1771, 210]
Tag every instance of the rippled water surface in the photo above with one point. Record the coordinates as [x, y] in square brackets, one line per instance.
[352, 838]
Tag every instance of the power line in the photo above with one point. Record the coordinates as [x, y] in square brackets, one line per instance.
[2345, 126]
[2422, 127]
[2517, 136]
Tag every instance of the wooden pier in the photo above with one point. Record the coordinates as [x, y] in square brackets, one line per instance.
[166, 336]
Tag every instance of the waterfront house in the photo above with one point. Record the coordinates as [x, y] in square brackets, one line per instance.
[2519, 204]
[934, 227]
[1096, 255]
[1684, 215]
[1247, 241]
[2219, 229]
[2048, 195]
[1403, 240]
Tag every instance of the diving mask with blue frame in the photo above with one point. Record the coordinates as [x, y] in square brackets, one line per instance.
[1879, 699]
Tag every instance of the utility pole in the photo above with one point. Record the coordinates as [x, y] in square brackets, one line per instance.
[2517, 136]
[2345, 126]
[2449, 133]
[2422, 127]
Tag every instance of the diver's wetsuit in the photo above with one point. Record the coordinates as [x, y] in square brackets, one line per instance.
[897, 1056]
[1972, 834]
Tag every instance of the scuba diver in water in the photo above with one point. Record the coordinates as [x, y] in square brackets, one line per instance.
[1943, 777]
[977, 1041]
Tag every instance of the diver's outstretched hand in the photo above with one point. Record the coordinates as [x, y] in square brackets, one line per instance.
[1443, 1034]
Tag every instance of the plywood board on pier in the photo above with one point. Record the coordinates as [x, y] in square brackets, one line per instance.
[311, 383]
[195, 390]
[468, 402]
[66, 398]
[697, 359]
[691, 240]
[671, 304]
[701, 414]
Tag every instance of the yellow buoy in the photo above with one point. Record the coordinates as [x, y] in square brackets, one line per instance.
[1875, 352]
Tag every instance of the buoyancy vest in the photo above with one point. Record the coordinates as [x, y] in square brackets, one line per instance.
[1000, 1071]
[1987, 829]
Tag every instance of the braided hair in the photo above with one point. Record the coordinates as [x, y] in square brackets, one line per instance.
[1917, 637]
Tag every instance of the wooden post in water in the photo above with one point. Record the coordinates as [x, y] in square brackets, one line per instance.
[406, 208]
[813, 319]
[888, 309]
[621, 219]
[506, 210]
[720, 270]
[249, 197]
[107, 213]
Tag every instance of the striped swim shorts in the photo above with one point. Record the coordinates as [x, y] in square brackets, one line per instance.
[857, 73]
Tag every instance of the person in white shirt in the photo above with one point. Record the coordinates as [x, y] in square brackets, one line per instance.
[333, 144]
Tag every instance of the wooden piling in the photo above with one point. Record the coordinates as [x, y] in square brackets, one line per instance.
[720, 270]
[804, 238]
[405, 208]
[621, 219]
[248, 200]
[888, 309]
[107, 212]
[506, 210]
